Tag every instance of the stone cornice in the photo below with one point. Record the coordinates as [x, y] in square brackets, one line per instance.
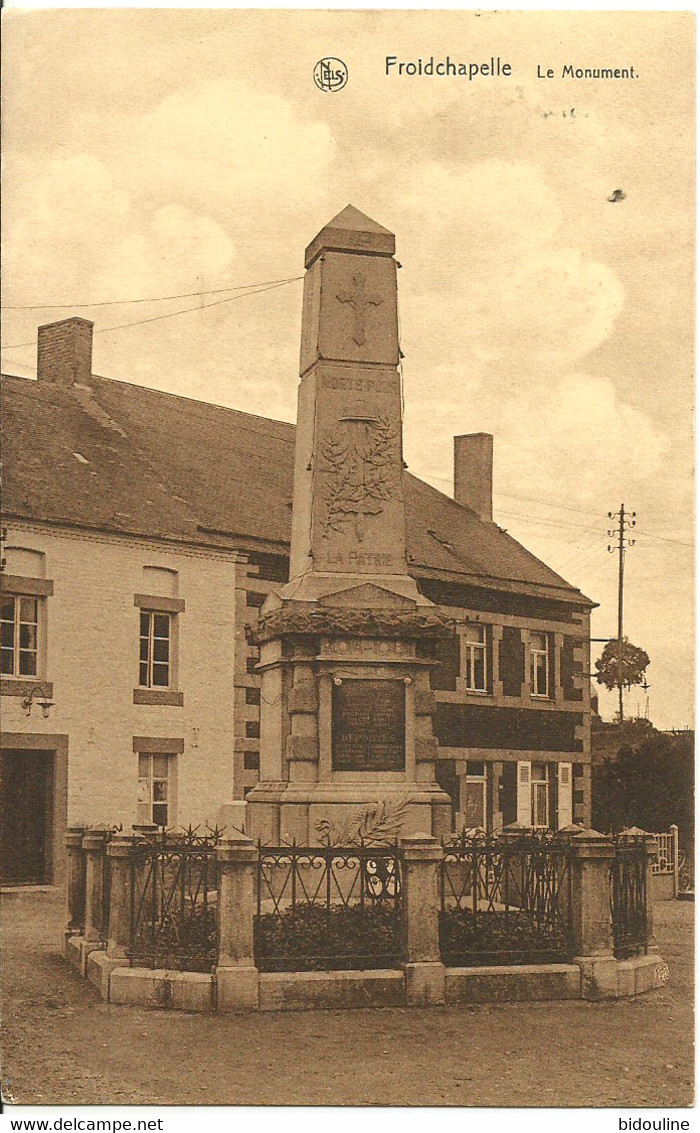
[350, 622]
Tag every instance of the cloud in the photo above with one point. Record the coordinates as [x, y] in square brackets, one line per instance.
[495, 269]
[231, 144]
[77, 234]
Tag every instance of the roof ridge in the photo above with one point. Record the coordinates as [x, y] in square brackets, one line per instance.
[192, 400]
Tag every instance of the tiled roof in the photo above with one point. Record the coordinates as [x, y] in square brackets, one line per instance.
[151, 463]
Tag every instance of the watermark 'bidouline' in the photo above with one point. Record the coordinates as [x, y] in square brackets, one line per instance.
[447, 68]
[665, 1124]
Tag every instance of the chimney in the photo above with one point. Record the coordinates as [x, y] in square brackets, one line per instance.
[64, 352]
[474, 473]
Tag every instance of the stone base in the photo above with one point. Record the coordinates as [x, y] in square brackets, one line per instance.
[175, 991]
[598, 976]
[86, 948]
[309, 991]
[425, 984]
[99, 969]
[513, 983]
[283, 812]
[71, 950]
[237, 989]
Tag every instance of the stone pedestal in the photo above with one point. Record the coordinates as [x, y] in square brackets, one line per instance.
[424, 970]
[592, 855]
[94, 846]
[119, 851]
[75, 880]
[236, 975]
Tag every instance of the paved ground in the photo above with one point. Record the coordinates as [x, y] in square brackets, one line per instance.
[62, 1045]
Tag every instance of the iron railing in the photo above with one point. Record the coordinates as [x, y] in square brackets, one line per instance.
[628, 895]
[505, 900]
[328, 907]
[174, 901]
[103, 911]
[664, 862]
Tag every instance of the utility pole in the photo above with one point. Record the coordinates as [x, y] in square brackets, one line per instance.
[625, 522]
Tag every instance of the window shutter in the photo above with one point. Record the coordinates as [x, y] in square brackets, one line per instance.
[565, 815]
[511, 661]
[524, 811]
[447, 652]
[508, 794]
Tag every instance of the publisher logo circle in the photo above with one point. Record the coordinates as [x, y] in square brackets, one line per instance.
[330, 74]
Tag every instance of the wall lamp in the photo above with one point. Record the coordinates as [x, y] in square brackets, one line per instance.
[44, 703]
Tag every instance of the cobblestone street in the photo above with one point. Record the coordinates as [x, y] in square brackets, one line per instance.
[62, 1045]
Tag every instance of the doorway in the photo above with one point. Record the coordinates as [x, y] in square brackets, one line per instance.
[26, 816]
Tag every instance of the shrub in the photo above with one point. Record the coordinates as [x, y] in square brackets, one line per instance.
[468, 939]
[187, 947]
[316, 938]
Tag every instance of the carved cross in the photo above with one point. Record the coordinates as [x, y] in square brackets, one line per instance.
[360, 301]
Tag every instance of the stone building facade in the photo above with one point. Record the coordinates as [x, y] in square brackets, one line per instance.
[132, 567]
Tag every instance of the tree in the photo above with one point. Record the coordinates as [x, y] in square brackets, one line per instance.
[648, 784]
[634, 663]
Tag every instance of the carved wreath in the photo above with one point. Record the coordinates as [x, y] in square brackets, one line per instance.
[363, 474]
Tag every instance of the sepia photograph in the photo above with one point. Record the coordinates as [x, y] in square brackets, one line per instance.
[347, 572]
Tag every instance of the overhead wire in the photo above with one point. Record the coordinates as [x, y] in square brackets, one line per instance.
[173, 314]
[152, 299]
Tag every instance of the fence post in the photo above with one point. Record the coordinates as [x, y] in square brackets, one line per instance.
[119, 850]
[674, 858]
[237, 977]
[591, 858]
[424, 971]
[94, 846]
[75, 881]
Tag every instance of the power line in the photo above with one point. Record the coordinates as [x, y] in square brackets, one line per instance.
[548, 522]
[152, 299]
[172, 314]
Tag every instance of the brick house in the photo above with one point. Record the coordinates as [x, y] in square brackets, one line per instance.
[142, 532]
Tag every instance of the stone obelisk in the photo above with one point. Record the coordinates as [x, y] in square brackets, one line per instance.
[346, 704]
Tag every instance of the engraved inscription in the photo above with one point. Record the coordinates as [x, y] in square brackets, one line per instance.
[369, 726]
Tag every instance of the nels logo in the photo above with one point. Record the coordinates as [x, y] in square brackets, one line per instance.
[330, 74]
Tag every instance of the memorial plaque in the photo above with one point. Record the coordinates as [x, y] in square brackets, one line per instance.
[369, 726]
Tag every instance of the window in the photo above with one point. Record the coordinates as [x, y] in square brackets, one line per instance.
[154, 655]
[539, 664]
[475, 671]
[19, 629]
[155, 802]
[539, 794]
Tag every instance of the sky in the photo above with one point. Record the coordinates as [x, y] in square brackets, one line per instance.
[168, 152]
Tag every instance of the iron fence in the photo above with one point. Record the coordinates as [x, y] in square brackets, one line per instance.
[628, 895]
[506, 900]
[686, 870]
[103, 911]
[325, 908]
[174, 901]
[664, 862]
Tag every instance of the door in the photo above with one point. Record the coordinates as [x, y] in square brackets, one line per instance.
[25, 816]
[475, 796]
